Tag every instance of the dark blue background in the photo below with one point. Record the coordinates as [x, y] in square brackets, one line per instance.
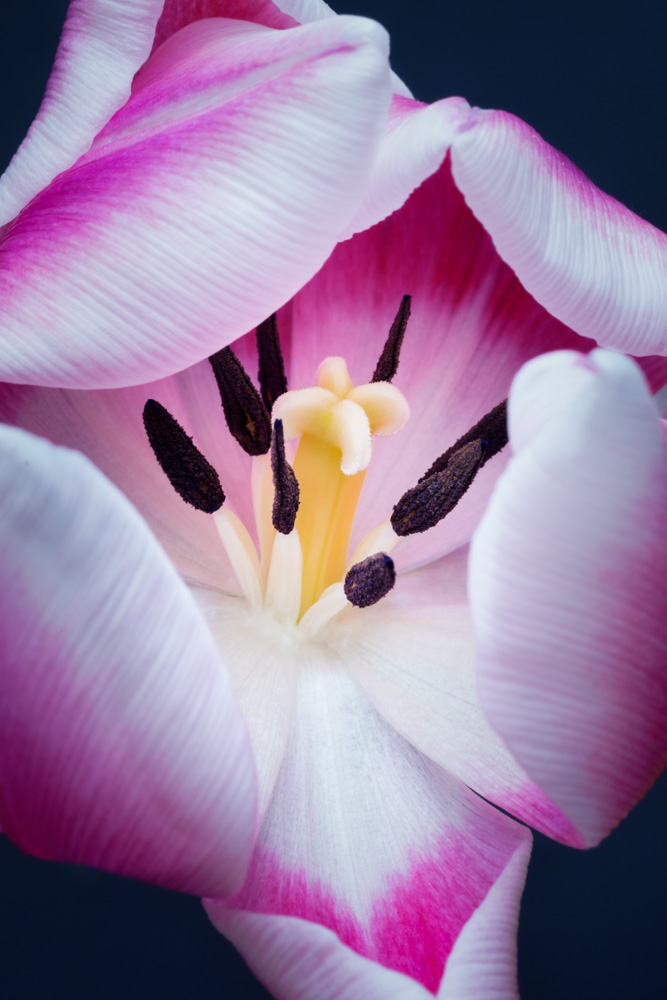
[592, 78]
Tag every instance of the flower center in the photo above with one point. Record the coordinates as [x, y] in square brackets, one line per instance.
[302, 575]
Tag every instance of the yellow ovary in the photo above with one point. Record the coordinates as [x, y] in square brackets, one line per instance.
[327, 507]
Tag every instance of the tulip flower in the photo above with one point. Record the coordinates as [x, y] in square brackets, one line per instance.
[373, 708]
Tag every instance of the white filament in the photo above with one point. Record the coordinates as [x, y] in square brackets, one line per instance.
[319, 614]
[242, 555]
[380, 539]
[283, 586]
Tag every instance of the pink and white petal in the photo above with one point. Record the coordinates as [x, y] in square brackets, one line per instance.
[281, 14]
[415, 142]
[121, 743]
[299, 960]
[211, 197]
[104, 42]
[107, 426]
[482, 965]
[414, 653]
[589, 260]
[367, 837]
[304, 11]
[472, 327]
[566, 588]
[177, 14]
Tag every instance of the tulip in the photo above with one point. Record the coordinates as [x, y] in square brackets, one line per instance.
[359, 756]
[530, 673]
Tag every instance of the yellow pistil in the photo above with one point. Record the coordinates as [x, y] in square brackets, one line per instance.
[335, 422]
[328, 501]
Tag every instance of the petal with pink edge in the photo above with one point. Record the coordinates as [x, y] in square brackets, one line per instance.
[304, 11]
[586, 258]
[299, 960]
[482, 965]
[281, 14]
[589, 260]
[414, 144]
[415, 655]
[104, 42]
[208, 200]
[367, 837]
[121, 742]
[176, 14]
[566, 587]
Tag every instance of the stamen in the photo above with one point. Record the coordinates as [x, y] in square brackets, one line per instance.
[492, 429]
[380, 539]
[329, 604]
[387, 366]
[242, 555]
[188, 471]
[436, 495]
[369, 581]
[245, 412]
[263, 492]
[283, 586]
[286, 498]
[272, 378]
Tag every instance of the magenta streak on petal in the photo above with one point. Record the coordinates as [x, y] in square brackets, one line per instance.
[654, 367]
[531, 805]
[177, 13]
[411, 929]
[420, 947]
[271, 888]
